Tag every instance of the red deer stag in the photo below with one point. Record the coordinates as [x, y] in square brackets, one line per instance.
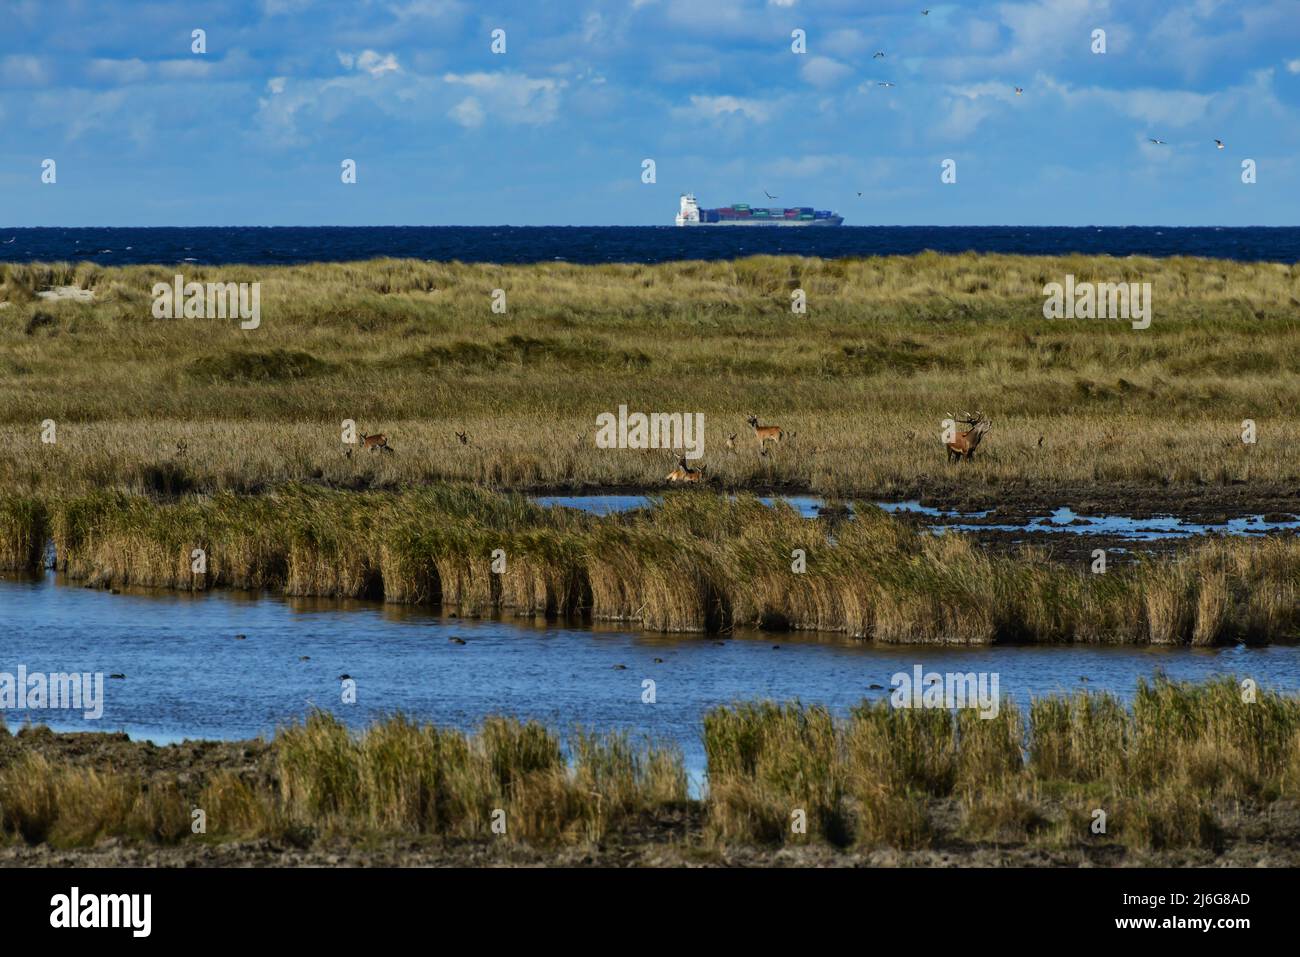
[684, 472]
[964, 444]
[376, 443]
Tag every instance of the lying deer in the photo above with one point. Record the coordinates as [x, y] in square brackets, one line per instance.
[964, 444]
[376, 443]
[684, 472]
[765, 433]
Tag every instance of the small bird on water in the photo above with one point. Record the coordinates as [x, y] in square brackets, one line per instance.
[456, 640]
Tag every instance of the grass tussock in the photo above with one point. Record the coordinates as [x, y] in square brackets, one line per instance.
[693, 562]
[1177, 769]
[1167, 773]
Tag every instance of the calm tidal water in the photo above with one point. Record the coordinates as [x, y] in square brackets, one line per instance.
[187, 676]
[623, 244]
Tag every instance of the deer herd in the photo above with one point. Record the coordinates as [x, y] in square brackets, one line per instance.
[961, 447]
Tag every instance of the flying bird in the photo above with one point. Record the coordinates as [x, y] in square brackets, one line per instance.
[1019, 90]
[1156, 141]
[859, 192]
[883, 83]
[769, 195]
[925, 13]
[1219, 143]
[878, 55]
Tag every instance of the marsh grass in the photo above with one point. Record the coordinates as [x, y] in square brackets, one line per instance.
[693, 562]
[1169, 772]
[889, 346]
[1179, 769]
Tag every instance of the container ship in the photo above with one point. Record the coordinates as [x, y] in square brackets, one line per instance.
[742, 214]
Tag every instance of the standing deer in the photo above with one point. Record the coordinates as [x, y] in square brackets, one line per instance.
[964, 444]
[684, 472]
[731, 441]
[376, 443]
[462, 436]
[765, 433]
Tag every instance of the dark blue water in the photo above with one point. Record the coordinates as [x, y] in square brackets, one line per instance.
[188, 676]
[631, 244]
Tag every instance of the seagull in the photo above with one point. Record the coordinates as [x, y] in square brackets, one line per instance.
[769, 195]
[883, 83]
[859, 192]
[8, 241]
[878, 55]
[925, 13]
[1019, 90]
[1219, 143]
[1156, 141]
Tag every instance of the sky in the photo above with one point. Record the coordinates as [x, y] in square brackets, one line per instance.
[555, 129]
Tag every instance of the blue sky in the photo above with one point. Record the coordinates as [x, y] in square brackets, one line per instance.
[554, 131]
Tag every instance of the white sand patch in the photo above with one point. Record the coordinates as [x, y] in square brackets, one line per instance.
[60, 293]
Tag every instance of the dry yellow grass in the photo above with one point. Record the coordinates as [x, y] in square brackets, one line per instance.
[863, 381]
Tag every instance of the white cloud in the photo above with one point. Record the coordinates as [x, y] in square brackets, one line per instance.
[716, 107]
[468, 112]
[369, 61]
[1293, 66]
[23, 70]
[1155, 107]
[510, 97]
[193, 69]
[823, 71]
[117, 71]
[806, 167]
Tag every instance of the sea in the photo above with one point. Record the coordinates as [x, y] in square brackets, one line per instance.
[221, 245]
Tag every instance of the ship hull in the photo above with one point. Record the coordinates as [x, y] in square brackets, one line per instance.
[831, 221]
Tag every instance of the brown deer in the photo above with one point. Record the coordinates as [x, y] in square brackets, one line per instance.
[376, 443]
[964, 444]
[765, 433]
[463, 437]
[731, 441]
[684, 472]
